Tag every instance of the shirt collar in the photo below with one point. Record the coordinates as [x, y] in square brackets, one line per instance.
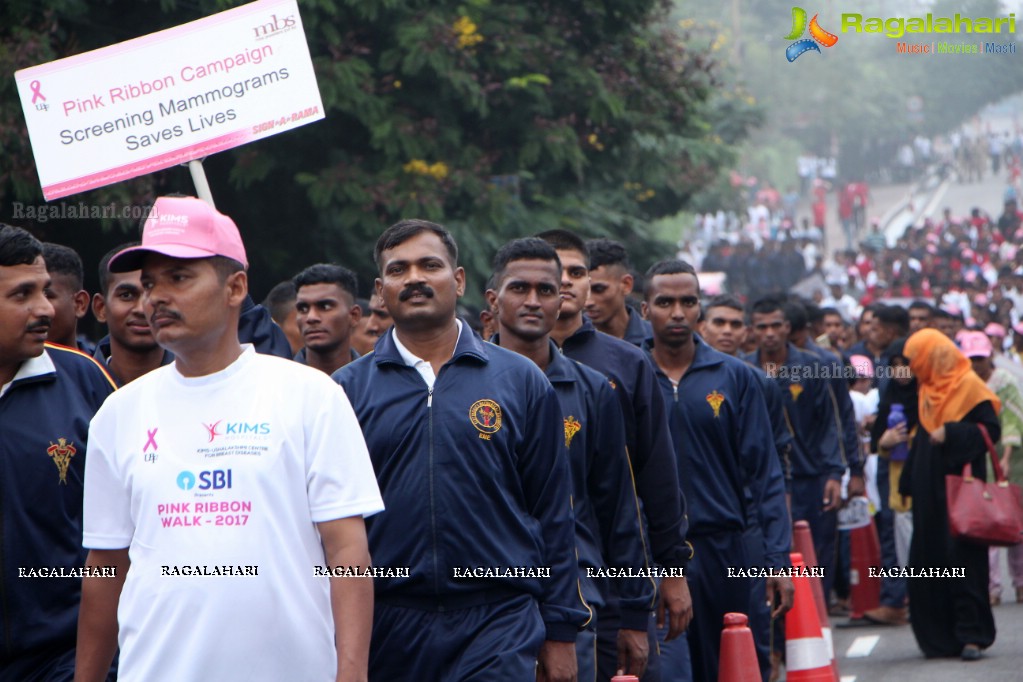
[38, 366]
[407, 356]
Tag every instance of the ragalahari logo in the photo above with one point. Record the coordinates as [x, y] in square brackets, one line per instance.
[818, 35]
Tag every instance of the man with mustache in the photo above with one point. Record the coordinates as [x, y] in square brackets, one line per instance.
[724, 442]
[129, 350]
[467, 441]
[247, 469]
[48, 394]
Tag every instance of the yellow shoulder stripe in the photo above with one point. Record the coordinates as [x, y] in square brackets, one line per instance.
[66, 349]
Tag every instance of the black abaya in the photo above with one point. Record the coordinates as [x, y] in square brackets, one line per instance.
[948, 613]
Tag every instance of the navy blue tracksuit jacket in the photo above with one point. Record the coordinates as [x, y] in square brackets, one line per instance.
[810, 410]
[723, 436]
[647, 436]
[848, 440]
[473, 474]
[608, 526]
[638, 330]
[44, 429]
[724, 440]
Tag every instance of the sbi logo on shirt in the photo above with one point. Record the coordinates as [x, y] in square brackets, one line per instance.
[218, 479]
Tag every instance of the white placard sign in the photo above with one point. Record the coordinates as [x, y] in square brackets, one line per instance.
[170, 97]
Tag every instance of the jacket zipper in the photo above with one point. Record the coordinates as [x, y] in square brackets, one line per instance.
[433, 511]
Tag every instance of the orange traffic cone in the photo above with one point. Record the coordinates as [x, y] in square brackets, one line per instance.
[738, 660]
[864, 552]
[802, 542]
[806, 653]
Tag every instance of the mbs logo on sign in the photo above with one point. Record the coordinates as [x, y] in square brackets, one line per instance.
[818, 35]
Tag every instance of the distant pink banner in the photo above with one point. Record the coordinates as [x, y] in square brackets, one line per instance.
[150, 165]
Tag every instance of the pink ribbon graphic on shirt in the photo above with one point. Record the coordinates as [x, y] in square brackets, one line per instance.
[152, 440]
[36, 94]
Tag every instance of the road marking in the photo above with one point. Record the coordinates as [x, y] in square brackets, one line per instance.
[862, 646]
[848, 678]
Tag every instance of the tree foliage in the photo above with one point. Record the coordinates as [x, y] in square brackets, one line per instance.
[852, 98]
[499, 118]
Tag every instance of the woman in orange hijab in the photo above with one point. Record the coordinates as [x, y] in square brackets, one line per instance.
[951, 616]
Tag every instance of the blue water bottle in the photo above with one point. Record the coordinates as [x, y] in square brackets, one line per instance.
[897, 416]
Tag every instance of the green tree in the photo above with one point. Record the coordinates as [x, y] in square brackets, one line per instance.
[498, 118]
[853, 98]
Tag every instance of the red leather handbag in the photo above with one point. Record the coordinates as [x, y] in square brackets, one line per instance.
[981, 512]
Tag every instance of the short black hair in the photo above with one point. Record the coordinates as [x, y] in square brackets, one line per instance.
[225, 267]
[403, 230]
[813, 311]
[894, 316]
[669, 266]
[104, 265]
[831, 311]
[328, 273]
[528, 248]
[63, 260]
[18, 246]
[725, 301]
[795, 313]
[922, 305]
[768, 305]
[871, 308]
[605, 251]
[280, 301]
[563, 240]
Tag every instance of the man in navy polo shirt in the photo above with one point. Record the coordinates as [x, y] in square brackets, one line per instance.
[48, 394]
[467, 440]
[720, 424]
[525, 298]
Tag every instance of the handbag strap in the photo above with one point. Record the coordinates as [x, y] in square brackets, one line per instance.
[995, 462]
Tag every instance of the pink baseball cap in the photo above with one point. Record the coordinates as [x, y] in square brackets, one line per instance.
[183, 227]
[1018, 328]
[975, 345]
[863, 366]
[995, 329]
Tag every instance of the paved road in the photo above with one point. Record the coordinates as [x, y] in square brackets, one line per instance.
[893, 654]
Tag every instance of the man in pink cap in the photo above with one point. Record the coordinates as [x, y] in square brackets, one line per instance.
[246, 469]
[977, 347]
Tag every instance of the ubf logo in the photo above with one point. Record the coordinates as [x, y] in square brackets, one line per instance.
[818, 35]
[218, 479]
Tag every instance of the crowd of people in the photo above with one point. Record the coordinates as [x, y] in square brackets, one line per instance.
[559, 487]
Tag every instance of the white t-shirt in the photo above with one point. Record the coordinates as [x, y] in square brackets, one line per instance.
[232, 469]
